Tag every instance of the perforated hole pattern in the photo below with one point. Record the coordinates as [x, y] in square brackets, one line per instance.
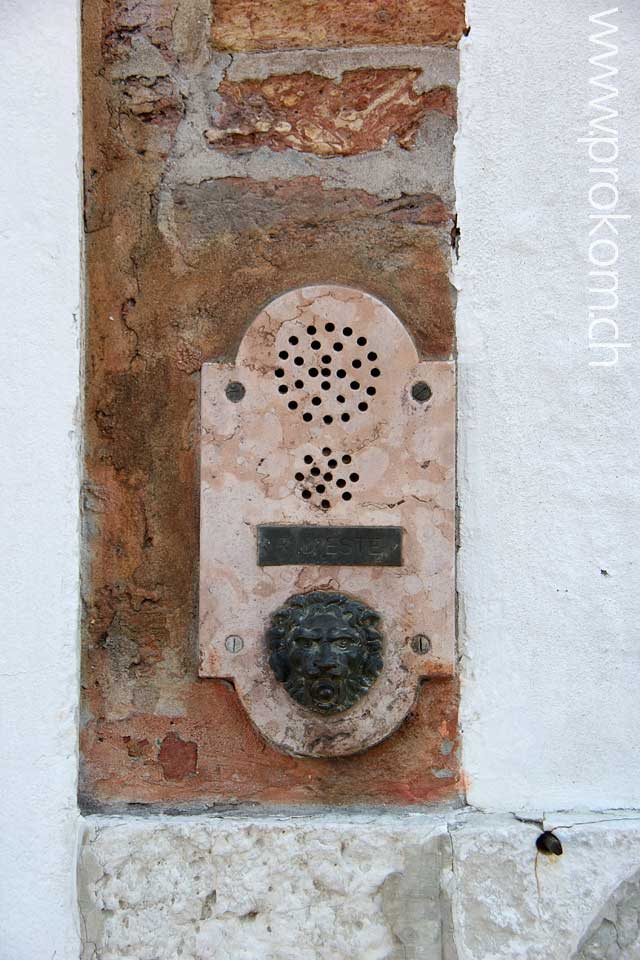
[325, 477]
[328, 374]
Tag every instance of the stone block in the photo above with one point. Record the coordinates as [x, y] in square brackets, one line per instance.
[451, 886]
[324, 889]
[510, 901]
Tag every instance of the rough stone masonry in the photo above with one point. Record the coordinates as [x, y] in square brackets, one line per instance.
[462, 886]
[233, 151]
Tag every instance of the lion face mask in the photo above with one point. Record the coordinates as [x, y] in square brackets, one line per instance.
[326, 650]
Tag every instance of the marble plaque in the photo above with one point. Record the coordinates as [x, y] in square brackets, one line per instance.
[327, 419]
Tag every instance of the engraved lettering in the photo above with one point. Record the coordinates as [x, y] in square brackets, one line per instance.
[339, 546]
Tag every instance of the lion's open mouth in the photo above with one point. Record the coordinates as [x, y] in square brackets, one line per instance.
[324, 691]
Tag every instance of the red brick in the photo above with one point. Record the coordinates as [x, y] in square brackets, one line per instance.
[178, 758]
[279, 24]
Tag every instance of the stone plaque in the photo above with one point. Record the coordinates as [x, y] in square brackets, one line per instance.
[279, 545]
[327, 467]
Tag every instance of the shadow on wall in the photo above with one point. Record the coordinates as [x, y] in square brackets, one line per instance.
[615, 933]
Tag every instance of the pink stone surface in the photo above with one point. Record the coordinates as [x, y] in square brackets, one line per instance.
[400, 471]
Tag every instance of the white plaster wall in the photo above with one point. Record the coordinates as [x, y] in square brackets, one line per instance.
[549, 448]
[40, 292]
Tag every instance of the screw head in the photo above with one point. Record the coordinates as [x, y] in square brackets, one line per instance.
[234, 644]
[421, 391]
[420, 643]
[235, 391]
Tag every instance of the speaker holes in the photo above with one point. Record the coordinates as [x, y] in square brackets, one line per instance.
[319, 478]
[296, 370]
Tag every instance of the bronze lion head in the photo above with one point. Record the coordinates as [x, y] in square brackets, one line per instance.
[326, 649]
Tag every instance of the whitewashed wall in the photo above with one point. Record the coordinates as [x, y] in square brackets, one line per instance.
[40, 291]
[549, 453]
[549, 449]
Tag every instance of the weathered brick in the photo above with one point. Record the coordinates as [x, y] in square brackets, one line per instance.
[150, 325]
[278, 24]
[201, 211]
[124, 20]
[235, 765]
[178, 758]
[313, 114]
[175, 271]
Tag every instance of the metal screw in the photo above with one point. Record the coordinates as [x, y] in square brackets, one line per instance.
[235, 391]
[421, 391]
[234, 644]
[420, 643]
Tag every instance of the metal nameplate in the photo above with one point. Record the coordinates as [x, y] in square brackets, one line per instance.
[279, 545]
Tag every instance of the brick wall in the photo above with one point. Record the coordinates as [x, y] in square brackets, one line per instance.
[234, 150]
